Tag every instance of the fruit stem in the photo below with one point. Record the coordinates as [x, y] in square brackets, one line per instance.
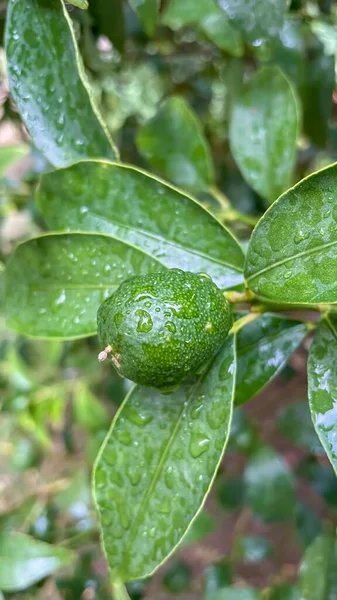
[120, 591]
[237, 297]
[244, 321]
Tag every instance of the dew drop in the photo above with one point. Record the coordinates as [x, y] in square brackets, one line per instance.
[124, 437]
[134, 475]
[195, 412]
[288, 274]
[198, 444]
[138, 418]
[169, 479]
[164, 507]
[170, 326]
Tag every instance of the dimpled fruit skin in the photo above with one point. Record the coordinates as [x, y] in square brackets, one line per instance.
[163, 326]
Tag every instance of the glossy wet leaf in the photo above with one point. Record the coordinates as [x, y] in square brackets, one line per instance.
[317, 578]
[109, 19]
[156, 466]
[269, 486]
[129, 204]
[147, 12]
[24, 560]
[292, 256]
[262, 133]
[55, 283]
[295, 424]
[259, 20]
[209, 19]
[263, 348]
[40, 40]
[321, 477]
[173, 142]
[322, 385]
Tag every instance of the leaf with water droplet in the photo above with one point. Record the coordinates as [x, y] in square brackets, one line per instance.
[263, 132]
[322, 385]
[178, 457]
[131, 210]
[263, 348]
[50, 294]
[65, 126]
[296, 228]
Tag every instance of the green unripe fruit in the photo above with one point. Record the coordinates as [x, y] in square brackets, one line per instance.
[162, 327]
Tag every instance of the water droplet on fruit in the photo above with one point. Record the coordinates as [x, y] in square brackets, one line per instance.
[198, 444]
[145, 323]
[170, 326]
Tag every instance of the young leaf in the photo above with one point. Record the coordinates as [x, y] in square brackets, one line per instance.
[263, 348]
[210, 20]
[55, 283]
[322, 385]
[173, 142]
[259, 20]
[24, 561]
[317, 580]
[157, 464]
[263, 130]
[147, 12]
[125, 202]
[269, 486]
[48, 85]
[291, 256]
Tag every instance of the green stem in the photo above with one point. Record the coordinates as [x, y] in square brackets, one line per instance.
[229, 213]
[119, 591]
[244, 321]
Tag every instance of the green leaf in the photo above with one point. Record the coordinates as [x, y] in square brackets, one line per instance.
[210, 20]
[294, 422]
[216, 576]
[89, 412]
[316, 94]
[147, 12]
[234, 593]
[308, 523]
[173, 142]
[21, 516]
[321, 477]
[156, 466]
[259, 20]
[322, 385]
[109, 20]
[55, 283]
[83, 4]
[317, 579]
[262, 132]
[55, 106]
[263, 348]
[24, 561]
[125, 202]
[291, 256]
[269, 486]
[285, 592]
[10, 154]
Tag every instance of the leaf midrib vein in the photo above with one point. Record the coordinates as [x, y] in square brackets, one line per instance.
[162, 461]
[293, 257]
[157, 237]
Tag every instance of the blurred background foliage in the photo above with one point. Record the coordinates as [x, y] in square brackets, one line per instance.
[166, 87]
